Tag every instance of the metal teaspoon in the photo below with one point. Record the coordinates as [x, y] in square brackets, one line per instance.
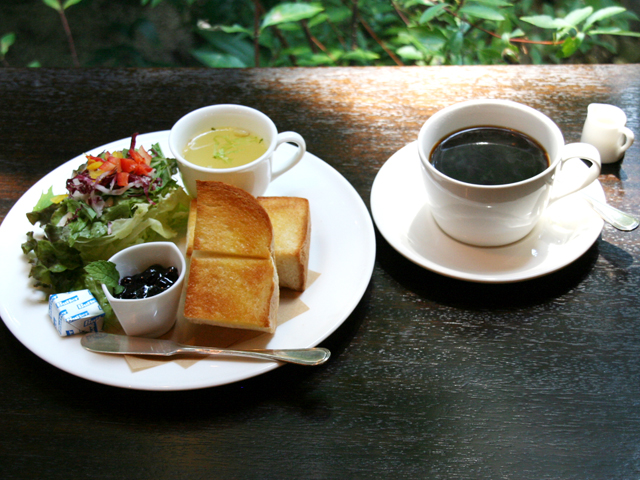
[617, 218]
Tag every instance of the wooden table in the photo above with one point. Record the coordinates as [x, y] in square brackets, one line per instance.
[430, 377]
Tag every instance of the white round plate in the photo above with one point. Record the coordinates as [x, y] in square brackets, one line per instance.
[342, 251]
[567, 230]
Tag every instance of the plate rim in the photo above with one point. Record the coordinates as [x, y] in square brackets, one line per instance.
[365, 272]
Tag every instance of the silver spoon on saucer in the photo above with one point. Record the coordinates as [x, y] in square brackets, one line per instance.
[617, 218]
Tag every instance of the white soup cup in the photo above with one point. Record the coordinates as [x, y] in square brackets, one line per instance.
[253, 177]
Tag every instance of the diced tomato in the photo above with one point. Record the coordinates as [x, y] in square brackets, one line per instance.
[142, 169]
[107, 166]
[116, 161]
[122, 179]
[127, 164]
[136, 156]
[145, 155]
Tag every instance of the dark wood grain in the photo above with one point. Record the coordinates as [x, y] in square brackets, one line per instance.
[430, 377]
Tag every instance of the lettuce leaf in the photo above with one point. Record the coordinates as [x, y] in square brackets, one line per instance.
[77, 240]
[147, 223]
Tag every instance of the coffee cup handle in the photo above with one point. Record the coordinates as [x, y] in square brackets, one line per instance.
[286, 165]
[571, 175]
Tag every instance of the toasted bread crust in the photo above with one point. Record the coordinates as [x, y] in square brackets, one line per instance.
[230, 221]
[232, 278]
[291, 220]
[232, 292]
[191, 226]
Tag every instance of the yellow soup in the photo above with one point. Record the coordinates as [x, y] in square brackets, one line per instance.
[224, 147]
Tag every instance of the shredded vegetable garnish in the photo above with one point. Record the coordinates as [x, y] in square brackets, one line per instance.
[114, 200]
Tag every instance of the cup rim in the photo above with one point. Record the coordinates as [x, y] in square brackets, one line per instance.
[139, 246]
[424, 158]
[228, 106]
[618, 113]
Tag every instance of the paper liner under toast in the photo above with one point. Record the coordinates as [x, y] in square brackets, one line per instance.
[221, 337]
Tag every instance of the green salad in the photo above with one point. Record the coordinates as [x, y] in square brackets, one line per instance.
[113, 201]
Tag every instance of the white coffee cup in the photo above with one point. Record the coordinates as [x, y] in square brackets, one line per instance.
[494, 215]
[605, 129]
[253, 177]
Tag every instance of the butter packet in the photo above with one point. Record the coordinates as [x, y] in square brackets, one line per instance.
[75, 312]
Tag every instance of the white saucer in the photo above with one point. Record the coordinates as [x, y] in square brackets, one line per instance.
[567, 230]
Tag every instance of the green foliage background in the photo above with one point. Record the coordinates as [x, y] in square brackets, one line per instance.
[270, 33]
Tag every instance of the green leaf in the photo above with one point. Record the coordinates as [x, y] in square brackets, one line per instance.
[289, 27]
[455, 42]
[602, 14]
[431, 13]
[58, 256]
[489, 56]
[316, 60]
[318, 20]
[235, 29]
[55, 4]
[237, 46]
[571, 45]
[427, 3]
[409, 52]
[44, 201]
[481, 11]
[578, 16]
[103, 271]
[217, 60]
[614, 31]
[338, 14]
[290, 12]
[424, 39]
[495, 3]
[5, 42]
[361, 55]
[516, 33]
[544, 21]
[70, 3]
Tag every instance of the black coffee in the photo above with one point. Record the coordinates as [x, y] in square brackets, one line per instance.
[489, 156]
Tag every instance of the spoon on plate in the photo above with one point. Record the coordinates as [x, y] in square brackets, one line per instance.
[617, 218]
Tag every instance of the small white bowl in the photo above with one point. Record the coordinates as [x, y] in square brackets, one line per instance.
[153, 316]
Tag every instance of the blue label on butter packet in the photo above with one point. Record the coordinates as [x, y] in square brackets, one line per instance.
[63, 310]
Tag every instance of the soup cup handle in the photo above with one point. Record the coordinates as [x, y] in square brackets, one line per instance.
[285, 165]
[572, 173]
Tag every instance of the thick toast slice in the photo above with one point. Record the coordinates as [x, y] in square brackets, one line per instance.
[232, 278]
[291, 222]
[231, 291]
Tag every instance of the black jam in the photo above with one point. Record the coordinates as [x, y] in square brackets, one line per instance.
[154, 280]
